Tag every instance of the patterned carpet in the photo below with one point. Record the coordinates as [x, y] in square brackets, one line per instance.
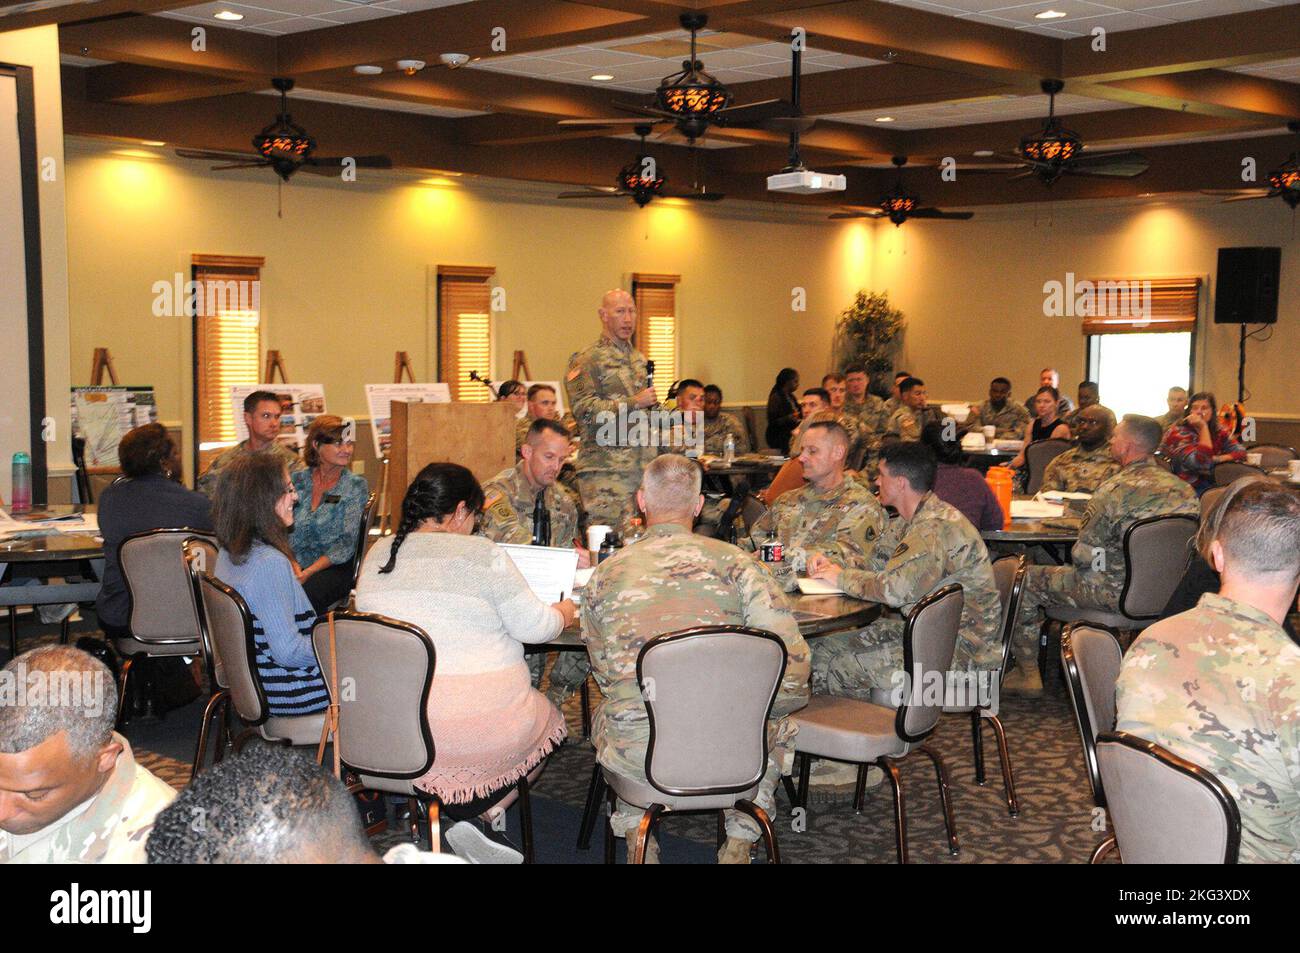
[1054, 826]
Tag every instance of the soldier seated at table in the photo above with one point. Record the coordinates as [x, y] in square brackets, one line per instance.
[542, 404]
[262, 420]
[510, 510]
[718, 424]
[670, 580]
[1001, 412]
[911, 415]
[1095, 577]
[70, 788]
[1219, 685]
[832, 514]
[928, 545]
[1084, 467]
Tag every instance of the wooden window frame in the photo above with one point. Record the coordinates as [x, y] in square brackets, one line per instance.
[645, 281]
[448, 367]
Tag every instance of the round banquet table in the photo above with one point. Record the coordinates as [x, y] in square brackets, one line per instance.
[1057, 540]
[48, 553]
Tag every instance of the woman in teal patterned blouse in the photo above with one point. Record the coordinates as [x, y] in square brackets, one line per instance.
[327, 516]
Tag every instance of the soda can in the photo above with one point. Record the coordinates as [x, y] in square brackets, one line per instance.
[772, 552]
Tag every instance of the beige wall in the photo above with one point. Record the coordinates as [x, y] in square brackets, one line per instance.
[348, 270]
[973, 291]
[39, 49]
[347, 273]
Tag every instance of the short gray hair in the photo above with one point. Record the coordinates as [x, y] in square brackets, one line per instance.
[1213, 518]
[53, 689]
[1260, 530]
[1145, 431]
[671, 484]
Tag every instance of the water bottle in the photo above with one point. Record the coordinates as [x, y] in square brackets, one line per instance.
[22, 484]
[729, 450]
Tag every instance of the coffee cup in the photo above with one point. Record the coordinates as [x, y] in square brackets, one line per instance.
[596, 535]
[1254, 459]
[1293, 468]
[989, 433]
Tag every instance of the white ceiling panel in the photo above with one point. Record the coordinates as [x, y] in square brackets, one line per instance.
[1287, 71]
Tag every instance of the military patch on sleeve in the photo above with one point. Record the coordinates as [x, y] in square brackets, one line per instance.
[573, 373]
[493, 499]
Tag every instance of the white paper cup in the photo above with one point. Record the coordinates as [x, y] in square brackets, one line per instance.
[1254, 459]
[596, 535]
[989, 433]
[1294, 467]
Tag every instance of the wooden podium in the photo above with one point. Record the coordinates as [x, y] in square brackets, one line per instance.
[478, 436]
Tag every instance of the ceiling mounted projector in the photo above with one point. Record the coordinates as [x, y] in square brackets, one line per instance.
[803, 182]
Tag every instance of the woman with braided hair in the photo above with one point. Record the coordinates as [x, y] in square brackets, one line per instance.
[489, 726]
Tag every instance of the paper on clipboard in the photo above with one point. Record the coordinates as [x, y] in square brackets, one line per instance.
[818, 587]
[548, 570]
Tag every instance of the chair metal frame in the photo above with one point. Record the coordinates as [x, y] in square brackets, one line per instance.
[889, 763]
[184, 534]
[1231, 813]
[219, 699]
[1079, 702]
[363, 544]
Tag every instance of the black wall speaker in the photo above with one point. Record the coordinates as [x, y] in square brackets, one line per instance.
[1246, 292]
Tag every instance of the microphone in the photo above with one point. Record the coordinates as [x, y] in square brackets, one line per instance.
[649, 373]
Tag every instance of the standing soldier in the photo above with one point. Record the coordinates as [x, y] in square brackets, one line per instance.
[511, 500]
[928, 545]
[607, 377]
[672, 580]
[1095, 577]
[832, 514]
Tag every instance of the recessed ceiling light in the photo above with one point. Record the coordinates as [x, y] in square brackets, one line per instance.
[1049, 15]
[156, 143]
[410, 67]
[366, 69]
[228, 15]
[602, 77]
[982, 153]
[884, 119]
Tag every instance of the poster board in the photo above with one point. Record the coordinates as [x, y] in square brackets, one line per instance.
[480, 437]
[379, 399]
[102, 416]
[300, 404]
[560, 409]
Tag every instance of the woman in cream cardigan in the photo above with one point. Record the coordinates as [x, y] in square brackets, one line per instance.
[490, 727]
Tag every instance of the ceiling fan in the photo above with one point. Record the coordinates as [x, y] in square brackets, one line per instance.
[900, 205]
[642, 181]
[691, 100]
[1055, 151]
[1284, 181]
[285, 147]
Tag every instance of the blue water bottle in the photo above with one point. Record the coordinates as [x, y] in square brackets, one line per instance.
[22, 484]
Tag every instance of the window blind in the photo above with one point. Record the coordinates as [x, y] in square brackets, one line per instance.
[227, 344]
[656, 326]
[1142, 305]
[465, 330]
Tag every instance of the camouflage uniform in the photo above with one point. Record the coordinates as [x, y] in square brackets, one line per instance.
[599, 382]
[111, 830]
[907, 424]
[843, 523]
[1096, 577]
[207, 484]
[1169, 418]
[936, 547]
[1220, 686]
[852, 426]
[527, 420]
[1079, 470]
[1011, 421]
[508, 518]
[891, 404]
[670, 580]
[716, 430]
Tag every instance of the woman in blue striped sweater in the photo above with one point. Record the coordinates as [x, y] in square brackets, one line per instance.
[252, 512]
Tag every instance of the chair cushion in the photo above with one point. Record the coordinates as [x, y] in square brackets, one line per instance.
[130, 646]
[295, 729]
[642, 794]
[387, 785]
[847, 730]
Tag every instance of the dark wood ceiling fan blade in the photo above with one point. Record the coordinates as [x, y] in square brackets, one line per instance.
[1261, 192]
[856, 214]
[591, 194]
[1247, 198]
[607, 122]
[238, 165]
[941, 214]
[1024, 175]
[787, 124]
[701, 196]
[1106, 171]
[361, 162]
[755, 113]
[211, 155]
[1114, 164]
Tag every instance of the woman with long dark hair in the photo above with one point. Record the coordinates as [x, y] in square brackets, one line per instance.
[252, 512]
[1196, 444]
[782, 410]
[489, 726]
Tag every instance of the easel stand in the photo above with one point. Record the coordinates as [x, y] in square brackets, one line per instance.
[274, 363]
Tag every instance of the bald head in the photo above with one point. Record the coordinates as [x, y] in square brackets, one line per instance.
[1096, 424]
[670, 490]
[617, 313]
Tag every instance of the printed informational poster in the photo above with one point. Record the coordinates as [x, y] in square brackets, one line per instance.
[300, 404]
[559, 394]
[379, 398]
[102, 416]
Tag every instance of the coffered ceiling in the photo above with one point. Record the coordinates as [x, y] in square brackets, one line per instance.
[1196, 85]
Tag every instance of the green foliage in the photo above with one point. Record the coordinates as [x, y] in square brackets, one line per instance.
[868, 332]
